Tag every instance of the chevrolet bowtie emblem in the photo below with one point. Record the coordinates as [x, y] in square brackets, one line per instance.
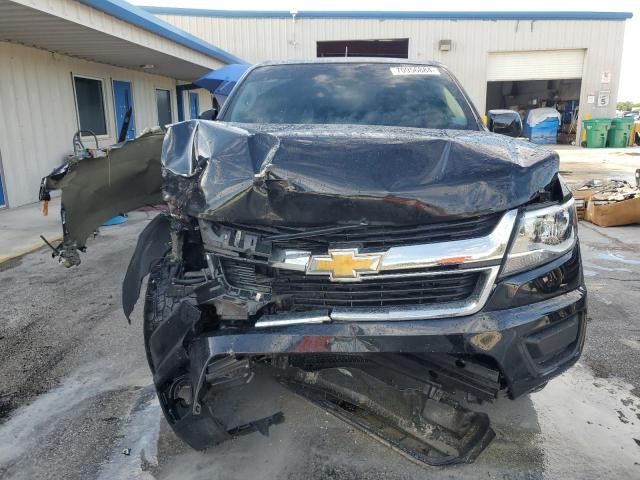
[344, 265]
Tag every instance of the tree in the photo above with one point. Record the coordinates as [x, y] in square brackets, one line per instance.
[625, 106]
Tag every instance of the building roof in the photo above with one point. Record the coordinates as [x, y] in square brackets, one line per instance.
[391, 15]
[321, 60]
[146, 20]
[77, 29]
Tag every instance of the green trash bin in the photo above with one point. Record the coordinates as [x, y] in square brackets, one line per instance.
[618, 136]
[597, 129]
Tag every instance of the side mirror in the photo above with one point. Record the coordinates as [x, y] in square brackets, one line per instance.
[505, 122]
[209, 114]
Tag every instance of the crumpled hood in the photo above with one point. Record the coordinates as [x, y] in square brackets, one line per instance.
[328, 174]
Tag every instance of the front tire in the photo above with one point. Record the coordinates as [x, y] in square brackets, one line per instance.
[198, 431]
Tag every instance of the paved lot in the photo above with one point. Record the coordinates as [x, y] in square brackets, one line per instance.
[21, 228]
[75, 391]
[578, 165]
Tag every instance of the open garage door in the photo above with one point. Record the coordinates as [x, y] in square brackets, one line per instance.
[523, 81]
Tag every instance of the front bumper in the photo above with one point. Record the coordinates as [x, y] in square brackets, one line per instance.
[530, 344]
[527, 343]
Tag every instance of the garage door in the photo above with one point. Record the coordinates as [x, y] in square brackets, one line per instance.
[535, 65]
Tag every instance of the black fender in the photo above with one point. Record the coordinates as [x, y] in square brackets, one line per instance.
[153, 244]
[95, 187]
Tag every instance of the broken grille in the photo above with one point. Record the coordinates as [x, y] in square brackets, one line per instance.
[380, 237]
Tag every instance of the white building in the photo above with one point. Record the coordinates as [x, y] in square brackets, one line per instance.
[514, 60]
[67, 65]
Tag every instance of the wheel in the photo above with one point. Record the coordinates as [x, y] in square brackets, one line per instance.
[157, 306]
[175, 396]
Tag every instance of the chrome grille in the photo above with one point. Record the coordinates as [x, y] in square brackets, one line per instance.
[244, 275]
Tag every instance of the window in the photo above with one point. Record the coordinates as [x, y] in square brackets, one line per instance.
[90, 104]
[364, 48]
[351, 93]
[163, 100]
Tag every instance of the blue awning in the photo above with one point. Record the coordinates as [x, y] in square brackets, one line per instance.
[222, 80]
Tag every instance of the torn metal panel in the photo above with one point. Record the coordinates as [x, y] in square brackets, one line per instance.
[320, 174]
[96, 188]
[153, 243]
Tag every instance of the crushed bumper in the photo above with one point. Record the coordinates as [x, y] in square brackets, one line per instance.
[529, 344]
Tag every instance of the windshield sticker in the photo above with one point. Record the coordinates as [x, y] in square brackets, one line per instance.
[415, 70]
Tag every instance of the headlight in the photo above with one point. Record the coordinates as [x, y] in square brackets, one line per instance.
[541, 236]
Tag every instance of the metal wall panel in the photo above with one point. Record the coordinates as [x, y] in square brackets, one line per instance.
[259, 39]
[38, 115]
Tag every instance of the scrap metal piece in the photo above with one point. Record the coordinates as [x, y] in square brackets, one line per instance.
[294, 318]
[427, 428]
[228, 372]
[261, 426]
[54, 250]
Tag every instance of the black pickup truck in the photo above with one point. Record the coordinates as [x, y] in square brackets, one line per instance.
[342, 215]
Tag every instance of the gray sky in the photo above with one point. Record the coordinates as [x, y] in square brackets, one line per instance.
[630, 77]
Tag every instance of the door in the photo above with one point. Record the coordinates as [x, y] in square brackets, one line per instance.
[123, 103]
[194, 108]
[535, 65]
[163, 103]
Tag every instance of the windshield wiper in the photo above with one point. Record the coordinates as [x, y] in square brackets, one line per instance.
[316, 232]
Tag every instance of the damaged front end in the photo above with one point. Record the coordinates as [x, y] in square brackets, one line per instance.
[362, 268]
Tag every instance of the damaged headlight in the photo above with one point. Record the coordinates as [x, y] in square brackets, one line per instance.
[541, 236]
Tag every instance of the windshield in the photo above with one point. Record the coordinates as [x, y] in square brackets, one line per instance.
[418, 96]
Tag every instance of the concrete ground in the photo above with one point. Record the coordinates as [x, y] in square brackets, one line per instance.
[76, 400]
[578, 165]
[21, 228]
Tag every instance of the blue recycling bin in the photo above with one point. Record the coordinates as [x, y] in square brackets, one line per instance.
[544, 133]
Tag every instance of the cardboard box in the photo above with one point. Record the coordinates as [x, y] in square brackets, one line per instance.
[582, 197]
[583, 194]
[614, 214]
